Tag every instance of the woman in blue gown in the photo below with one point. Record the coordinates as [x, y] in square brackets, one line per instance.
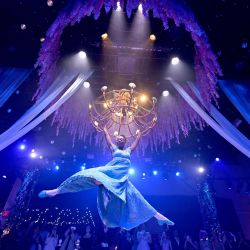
[119, 203]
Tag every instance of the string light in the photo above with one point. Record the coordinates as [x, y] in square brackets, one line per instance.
[59, 217]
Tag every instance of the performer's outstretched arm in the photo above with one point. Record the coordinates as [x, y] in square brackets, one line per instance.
[135, 143]
[108, 139]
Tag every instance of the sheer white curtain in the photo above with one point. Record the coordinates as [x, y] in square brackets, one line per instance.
[220, 124]
[28, 121]
[10, 81]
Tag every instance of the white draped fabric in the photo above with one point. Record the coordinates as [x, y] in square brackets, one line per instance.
[10, 81]
[28, 121]
[215, 113]
[220, 125]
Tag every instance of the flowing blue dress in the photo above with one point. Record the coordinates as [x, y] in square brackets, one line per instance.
[119, 203]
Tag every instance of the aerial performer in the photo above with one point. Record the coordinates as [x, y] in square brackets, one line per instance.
[119, 203]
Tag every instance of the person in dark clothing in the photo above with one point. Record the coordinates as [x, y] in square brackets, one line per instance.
[176, 241]
[87, 240]
[105, 239]
[124, 240]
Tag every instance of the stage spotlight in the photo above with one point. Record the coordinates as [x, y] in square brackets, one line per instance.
[177, 173]
[86, 85]
[175, 60]
[104, 36]
[57, 167]
[33, 154]
[118, 6]
[41, 157]
[165, 93]
[83, 167]
[155, 172]
[131, 171]
[201, 170]
[217, 159]
[4, 176]
[22, 147]
[140, 8]
[152, 37]
[82, 54]
[143, 174]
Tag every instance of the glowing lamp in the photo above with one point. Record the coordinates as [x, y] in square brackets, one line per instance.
[22, 147]
[175, 60]
[50, 3]
[201, 170]
[132, 85]
[143, 98]
[104, 36]
[86, 85]
[104, 88]
[140, 8]
[165, 93]
[152, 37]
[131, 171]
[33, 154]
[82, 54]
[118, 6]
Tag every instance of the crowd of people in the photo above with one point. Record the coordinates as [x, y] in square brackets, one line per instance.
[40, 238]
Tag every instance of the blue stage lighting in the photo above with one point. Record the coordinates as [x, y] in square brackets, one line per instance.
[22, 147]
[201, 170]
[177, 173]
[131, 171]
[57, 167]
[155, 172]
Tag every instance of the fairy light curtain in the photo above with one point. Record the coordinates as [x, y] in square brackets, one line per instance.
[59, 216]
[175, 121]
[10, 80]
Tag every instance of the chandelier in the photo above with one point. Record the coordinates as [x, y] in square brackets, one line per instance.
[123, 112]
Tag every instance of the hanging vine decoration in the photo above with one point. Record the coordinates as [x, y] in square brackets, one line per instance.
[178, 119]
